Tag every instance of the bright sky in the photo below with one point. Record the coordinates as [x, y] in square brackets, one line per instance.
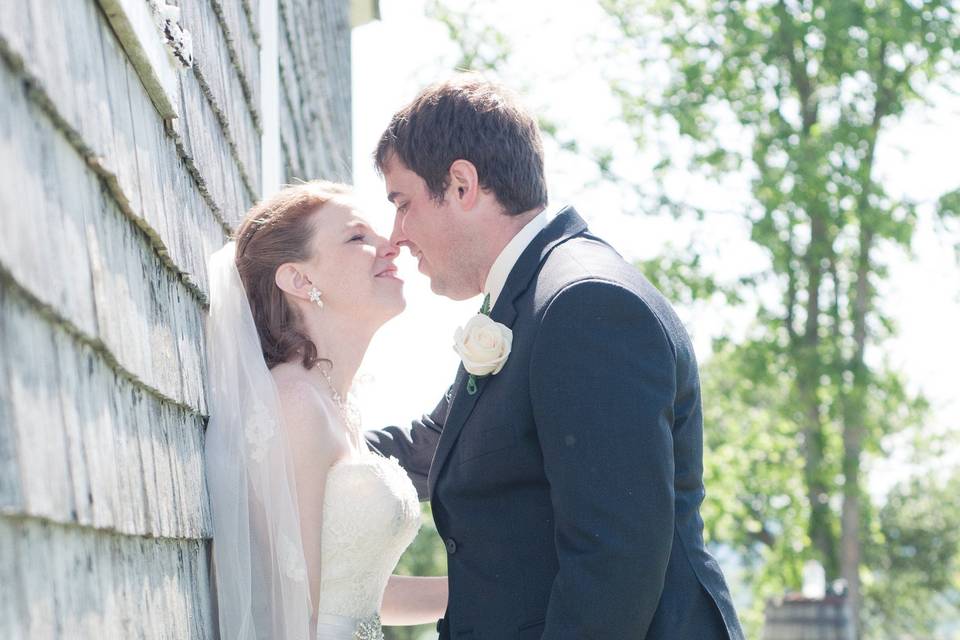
[411, 361]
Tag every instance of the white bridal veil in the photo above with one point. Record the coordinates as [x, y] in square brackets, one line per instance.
[258, 561]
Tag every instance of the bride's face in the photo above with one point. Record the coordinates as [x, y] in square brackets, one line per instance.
[353, 266]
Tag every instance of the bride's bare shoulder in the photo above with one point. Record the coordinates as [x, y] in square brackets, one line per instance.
[288, 374]
[304, 408]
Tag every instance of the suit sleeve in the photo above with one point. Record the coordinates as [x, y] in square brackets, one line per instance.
[413, 446]
[603, 380]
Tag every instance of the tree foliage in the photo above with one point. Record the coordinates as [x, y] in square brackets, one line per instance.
[811, 86]
[913, 551]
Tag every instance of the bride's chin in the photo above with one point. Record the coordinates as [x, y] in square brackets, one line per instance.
[394, 307]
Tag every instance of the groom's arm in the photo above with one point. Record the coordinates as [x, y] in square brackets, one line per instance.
[602, 378]
[413, 446]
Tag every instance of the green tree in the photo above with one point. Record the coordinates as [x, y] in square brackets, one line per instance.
[811, 85]
[914, 553]
[482, 47]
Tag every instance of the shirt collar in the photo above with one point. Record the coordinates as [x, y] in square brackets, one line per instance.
[503, 265]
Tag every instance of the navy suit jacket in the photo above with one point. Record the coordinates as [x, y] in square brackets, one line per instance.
[567, 488]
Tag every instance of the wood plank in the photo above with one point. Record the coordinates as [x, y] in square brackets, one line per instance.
[114, 456]
[41, 236]
[221, 83]
[333, 17]
[251, 9]
[315, 60]
[293, 134]
[12, 606]
[172, 204]
[291, 166]
[10, 494]
[31, 393]
[243, 46]
[298, 79]
[142, 319]
[134, 24]
[111, 284]
[92, 95]
[202, 142]
[82, 583]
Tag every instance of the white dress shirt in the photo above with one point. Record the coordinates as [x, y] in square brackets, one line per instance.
[503, 265]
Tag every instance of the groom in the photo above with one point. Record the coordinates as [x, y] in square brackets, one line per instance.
[565, 472]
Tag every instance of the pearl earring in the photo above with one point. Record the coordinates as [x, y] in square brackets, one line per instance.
[315, 297]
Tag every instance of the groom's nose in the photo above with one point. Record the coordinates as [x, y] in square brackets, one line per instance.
[397, 237]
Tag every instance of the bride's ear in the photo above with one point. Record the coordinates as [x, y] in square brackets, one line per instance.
[293, 281]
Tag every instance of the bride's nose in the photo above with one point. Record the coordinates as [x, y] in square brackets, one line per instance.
[387, 250]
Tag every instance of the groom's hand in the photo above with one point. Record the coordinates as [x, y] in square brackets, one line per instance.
[414, 446]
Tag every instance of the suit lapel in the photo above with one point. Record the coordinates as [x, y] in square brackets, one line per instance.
[566, 225]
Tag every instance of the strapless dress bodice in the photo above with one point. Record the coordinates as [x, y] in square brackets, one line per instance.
[371, 514]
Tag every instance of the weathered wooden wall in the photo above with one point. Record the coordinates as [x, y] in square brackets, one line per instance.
[108, 215]
[315, 105]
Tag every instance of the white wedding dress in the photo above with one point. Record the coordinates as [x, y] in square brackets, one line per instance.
[370, 515]
[259, 574]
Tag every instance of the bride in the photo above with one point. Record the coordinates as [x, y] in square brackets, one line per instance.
[308, 523]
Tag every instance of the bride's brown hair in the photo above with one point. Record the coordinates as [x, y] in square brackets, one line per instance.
[276, 231]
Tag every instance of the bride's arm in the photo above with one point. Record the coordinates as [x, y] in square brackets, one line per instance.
[411, 600]
[315, 444]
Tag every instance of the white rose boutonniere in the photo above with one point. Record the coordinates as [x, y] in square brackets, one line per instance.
[483, 345]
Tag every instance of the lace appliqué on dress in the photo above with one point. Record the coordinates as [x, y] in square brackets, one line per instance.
[260, 428]
[291, 562]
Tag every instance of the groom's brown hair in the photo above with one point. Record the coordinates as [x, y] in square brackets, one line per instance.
[469, 118]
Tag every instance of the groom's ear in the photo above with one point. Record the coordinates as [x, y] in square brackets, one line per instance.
[293, 281]
[464, 183]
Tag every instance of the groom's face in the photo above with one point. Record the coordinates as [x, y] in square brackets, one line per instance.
[432, 232]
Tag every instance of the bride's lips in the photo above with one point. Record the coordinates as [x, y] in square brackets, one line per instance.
[389, 272]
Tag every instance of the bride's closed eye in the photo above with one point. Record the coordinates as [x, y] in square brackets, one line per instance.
[357, 237]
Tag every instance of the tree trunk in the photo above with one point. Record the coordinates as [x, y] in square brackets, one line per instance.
[809, 370]
[850, 520]
[853, 430]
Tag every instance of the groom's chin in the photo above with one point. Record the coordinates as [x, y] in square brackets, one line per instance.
[450, 293]
[444, 287]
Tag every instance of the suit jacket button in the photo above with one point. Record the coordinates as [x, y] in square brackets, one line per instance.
[451, 545]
